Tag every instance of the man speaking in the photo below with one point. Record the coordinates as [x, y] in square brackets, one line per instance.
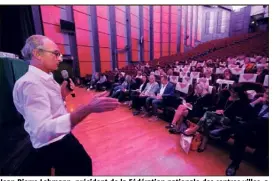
[40, 99]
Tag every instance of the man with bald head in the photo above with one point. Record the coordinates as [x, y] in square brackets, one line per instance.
[40, 100]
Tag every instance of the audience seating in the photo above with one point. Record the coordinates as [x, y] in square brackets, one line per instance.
[227, 53]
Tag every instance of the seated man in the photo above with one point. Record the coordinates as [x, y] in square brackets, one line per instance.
[150, 90]
[95, 78]
[166, 89]
[117, 88]
[119, 81]
[260, 124]
[123, 90]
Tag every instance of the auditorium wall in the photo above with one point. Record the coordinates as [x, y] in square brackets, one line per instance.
[240, 21]
[215, 23]
[114, 36]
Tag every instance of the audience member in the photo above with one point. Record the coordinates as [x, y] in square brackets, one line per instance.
[243, 133]
[101, 82]
[156, 101]
[179, 123]
[224, 116]
[94, 79]
[150, 90]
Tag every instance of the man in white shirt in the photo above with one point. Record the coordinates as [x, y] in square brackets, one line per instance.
[40, 100]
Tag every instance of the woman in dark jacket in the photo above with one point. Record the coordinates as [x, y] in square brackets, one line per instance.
[198, 100]
[225, 115]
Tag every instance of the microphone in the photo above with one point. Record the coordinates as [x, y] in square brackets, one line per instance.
[65, 76]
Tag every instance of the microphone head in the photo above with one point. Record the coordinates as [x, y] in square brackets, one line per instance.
[65, 74]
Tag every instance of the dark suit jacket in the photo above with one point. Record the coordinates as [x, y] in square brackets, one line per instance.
[169, 90]
[258, 108]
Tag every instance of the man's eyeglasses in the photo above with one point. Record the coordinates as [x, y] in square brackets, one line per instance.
[56, 53]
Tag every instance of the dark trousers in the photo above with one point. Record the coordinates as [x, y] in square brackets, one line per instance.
[138, 102]
[149, 103]
[244, 133]
[123, 96]
[113, 88]
[154, 103]
[99, 86]
[67, 156]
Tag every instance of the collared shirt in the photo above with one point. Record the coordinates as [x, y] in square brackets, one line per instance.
[147, 89]
[150, 88]
[37, 96]
[162, 90]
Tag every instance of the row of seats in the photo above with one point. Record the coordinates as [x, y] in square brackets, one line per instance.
[221, 48]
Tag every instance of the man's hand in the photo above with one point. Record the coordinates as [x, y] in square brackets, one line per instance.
[142, 95]
[220, 112]
[64, 90]
[101, 103]
[159, 97]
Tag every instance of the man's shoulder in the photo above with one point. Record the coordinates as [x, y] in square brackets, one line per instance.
[27, 79]
[170, 84]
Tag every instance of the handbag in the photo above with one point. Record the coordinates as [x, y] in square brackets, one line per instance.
[185, 142]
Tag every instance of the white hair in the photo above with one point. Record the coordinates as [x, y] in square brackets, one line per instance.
[33, 42]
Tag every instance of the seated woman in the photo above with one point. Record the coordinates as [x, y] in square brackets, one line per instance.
[201, 100]
[208, 74]
[141, 88]
[101, 82]
[224, 117]
[228, 75]
[179, 123]
[198, 101]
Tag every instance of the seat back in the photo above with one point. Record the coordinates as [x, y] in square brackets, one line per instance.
[248, 78]
[174, 79]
